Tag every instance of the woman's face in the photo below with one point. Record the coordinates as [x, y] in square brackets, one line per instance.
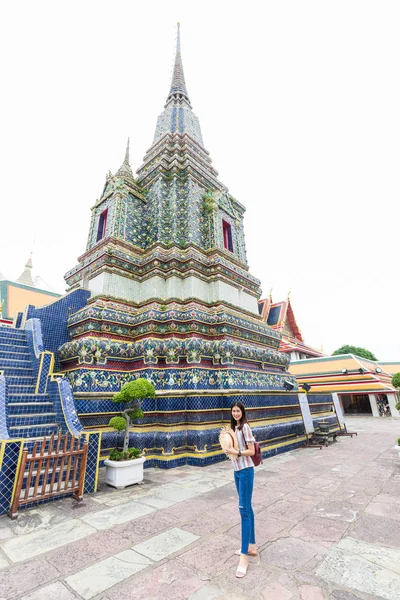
[236, 413]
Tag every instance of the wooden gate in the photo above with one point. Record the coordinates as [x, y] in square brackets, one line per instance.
[55, 467]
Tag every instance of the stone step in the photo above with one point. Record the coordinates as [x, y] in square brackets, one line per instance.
[8, 336]
[20, 380]
[12, 360]
[26, 398]
[31, 405]
[8, 351]
[33, 431]
[37, 419]
[16, 370]
[21, 388]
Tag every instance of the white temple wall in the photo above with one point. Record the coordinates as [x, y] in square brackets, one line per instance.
[172, 287]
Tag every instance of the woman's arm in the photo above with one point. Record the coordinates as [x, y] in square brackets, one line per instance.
[249, 452]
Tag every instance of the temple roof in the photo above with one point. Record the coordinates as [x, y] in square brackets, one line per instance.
[280, 316]
[343, 373]
[26, 276]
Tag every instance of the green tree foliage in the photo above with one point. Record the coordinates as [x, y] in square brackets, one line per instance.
[396, 380]
[362, 352]
[396, 384]
[118, 423]
[131, 395]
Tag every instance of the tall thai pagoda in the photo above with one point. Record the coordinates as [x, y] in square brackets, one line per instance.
[166, 265]
[172, 298]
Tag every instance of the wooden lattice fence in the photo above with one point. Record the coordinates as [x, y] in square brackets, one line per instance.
[55, 467]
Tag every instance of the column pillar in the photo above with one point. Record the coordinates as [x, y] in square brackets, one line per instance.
[374, 405]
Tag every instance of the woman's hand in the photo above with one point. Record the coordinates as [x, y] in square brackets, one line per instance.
[231, 451]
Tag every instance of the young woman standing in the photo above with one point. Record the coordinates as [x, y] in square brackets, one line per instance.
[244, 479]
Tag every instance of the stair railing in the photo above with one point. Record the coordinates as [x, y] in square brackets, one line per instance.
[46, 367]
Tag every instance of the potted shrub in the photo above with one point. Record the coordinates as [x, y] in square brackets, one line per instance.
[125, 465]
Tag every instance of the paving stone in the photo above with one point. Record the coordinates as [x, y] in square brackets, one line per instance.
[323, 484]
[38, 542]
[205, 484]
[188, 509]
[213, 592]
[342, 595]
[310, 592]
[370, 487]
[212, 556]
[384, 509]
[276, 591]
[104, 519]
[223, 515]
[392, 487]
[21, 579]
[259, 576]
[370, 528]
[88, 550]
[353, 568]
[169, 542]
[51, 592]
[144, 527]
[171, 580]
[175, 492]
[319, 529]
[304, 495]
[105, 574]
[289, 553]
[289, 511]
[338, 511]
[4, 563]
[265, 497]
[388, 498]
[267, 528]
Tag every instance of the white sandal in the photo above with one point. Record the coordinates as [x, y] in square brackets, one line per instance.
[241, 572]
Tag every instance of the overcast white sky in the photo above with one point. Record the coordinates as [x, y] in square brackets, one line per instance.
[299, 107]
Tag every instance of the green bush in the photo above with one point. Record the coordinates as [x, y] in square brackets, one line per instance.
[129, 454]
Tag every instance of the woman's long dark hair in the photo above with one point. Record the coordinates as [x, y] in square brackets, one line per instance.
[243, 420]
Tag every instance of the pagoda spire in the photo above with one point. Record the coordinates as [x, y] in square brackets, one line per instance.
[26, 276]
[125, 169]
[178, 89]
[126, 160]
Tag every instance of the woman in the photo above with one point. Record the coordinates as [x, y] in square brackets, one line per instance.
[244, 480]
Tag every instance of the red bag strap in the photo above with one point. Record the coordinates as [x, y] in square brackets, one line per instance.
[244, 439]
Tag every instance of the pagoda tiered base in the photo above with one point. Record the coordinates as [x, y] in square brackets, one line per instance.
[184, 428]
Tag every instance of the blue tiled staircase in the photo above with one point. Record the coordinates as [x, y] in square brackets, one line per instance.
[30, 415]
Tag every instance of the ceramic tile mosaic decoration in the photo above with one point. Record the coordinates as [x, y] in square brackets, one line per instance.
[162, 291]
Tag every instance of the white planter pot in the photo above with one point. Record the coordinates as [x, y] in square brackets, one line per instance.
[121, 473]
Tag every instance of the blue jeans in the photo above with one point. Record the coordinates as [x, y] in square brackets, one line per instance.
[244, 481]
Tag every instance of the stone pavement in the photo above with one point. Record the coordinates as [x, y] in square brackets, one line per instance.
[327, 522]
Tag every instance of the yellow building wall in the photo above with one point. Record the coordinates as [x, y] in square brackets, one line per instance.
[18, 298]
